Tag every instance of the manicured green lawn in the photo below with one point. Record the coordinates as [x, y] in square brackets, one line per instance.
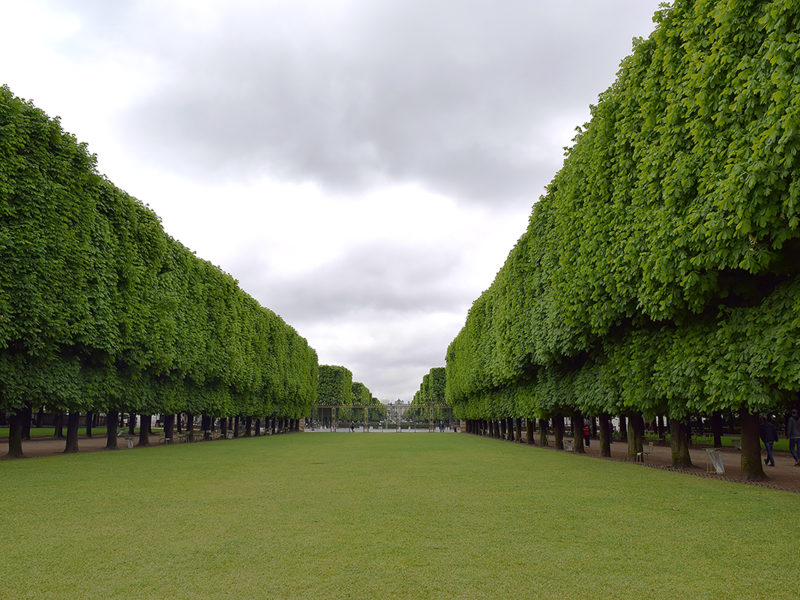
[384, 515]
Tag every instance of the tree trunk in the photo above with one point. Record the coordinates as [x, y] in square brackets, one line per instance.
[223, 427]
[679, 444]
[111, 429]
[131, 424]
[190, 427]
[752, 467]
[39, 416]
[89, 424]
[558, 432]
[15, 426]
[248, 426]
[257, 427]
[144, 438]
[178, 423]
[623, 428]
[529, 431]
[577, 433]
[543, 433]
[169, 428]
[58, 427]
[635, 432]
[716, 428]
[205, 425]
[236, 426]
[26, 424]
[73, 422]
[605, 435]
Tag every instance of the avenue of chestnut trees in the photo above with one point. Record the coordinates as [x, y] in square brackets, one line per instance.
[102, 311]
[659, 274]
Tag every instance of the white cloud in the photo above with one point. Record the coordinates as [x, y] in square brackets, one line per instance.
[363, 168]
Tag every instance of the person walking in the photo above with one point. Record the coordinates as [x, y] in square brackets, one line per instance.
[587, 434]
[769, 435]
[793, 433]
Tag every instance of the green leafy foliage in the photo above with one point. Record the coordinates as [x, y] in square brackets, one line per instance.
[653, 275]
[335, 386]
[100, 308]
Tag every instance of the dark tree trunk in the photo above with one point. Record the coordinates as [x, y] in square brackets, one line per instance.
[190, 427]
[169, 428]
[257, 427]
[635, 431]
[73, 422]
[111, 429]
[577, 433]
[679, 444]
[39, 416]
[205, 425]
[543, 433]
[623, 428]
[593, 422]
[223, 427]
[144, 437]
[178, 423]
[661, 428]
[605, 435]
[558, 432]
[529, 431]
[58, 427]
[131, 424]
[15, 434]
[248, 426]
[752, 467]
[236, 426]
[716, 428]
[89, 424]
[26, 425]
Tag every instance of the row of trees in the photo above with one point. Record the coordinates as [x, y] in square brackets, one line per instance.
[102, 311]
[659, 273]
[429, 400]
[337, 389]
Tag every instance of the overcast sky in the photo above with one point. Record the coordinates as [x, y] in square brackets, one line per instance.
[362, 167]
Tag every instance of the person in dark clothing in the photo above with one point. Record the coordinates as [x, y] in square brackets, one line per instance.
[793, 433]
[769, 435]
[587, 434]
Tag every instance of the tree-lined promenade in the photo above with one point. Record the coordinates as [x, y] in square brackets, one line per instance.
[659, 278]
[102, 312]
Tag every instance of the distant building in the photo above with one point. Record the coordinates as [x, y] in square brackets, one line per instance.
[396, 410]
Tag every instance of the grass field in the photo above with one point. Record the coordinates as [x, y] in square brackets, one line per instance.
[382, 515]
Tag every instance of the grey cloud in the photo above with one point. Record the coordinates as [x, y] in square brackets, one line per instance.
[376, 278]
[455, 96]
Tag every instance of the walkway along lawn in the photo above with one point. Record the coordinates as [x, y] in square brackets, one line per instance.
[368, 516]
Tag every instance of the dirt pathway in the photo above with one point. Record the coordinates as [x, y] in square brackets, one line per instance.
[784, 475]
